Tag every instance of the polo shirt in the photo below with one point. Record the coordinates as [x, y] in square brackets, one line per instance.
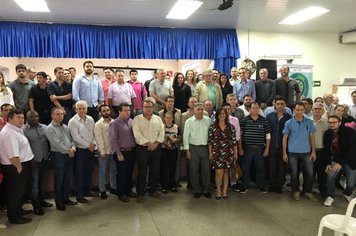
[20, 92]
[254, 131]
[65, 88]
[162, 90]
[41, 100]
[298, 135]
[140, 91]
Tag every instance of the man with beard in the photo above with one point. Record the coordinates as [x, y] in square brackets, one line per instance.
[246, 106]
[106, 157]
[87, 87]
[286, 87]
[21, 88]
[339, 143]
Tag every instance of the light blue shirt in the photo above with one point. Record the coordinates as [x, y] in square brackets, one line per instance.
[299, 135]
[196, 131]
[243, 88]
[88, 90]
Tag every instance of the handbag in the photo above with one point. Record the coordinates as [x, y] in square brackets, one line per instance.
[235, 172]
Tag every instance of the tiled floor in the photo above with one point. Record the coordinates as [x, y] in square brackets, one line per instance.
[179, 213]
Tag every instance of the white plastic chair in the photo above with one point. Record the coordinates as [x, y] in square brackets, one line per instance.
[341, 224]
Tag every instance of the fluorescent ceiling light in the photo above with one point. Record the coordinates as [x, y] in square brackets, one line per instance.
[304, 15]
[33, 5]
[183, 9]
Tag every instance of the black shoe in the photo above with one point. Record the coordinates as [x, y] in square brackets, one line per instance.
[189, 186]
[278, 190]
[207, 195]
[60, 207]
[243, 190]
[132, 195]
[82, 200]
[174, 189]
[22, 220]
[26, 212]
[103, 195]
[263, 190]
[197, 195]
[114, 191]
[90, 194]
[164, 191]
[38, 211]
[46, 204]
[70, 203]
[124, 198]
[178, 184]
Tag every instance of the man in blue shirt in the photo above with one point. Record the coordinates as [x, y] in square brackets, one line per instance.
[299, 134]
[244, 86]
[88, 87]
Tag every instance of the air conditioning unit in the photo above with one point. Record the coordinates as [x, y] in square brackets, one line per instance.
[348, 37]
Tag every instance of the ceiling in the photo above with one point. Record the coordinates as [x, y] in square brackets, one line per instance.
[254, 15]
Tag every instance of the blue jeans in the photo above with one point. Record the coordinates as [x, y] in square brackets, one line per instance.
[254, 153]
[61, 176]
[307, 165]
[38, 171]
[83, 165]
[103, 166]
[350, 181]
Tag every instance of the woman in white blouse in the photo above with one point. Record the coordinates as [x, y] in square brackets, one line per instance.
[5, 92]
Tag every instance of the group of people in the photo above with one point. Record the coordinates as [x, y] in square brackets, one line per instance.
[73, 121]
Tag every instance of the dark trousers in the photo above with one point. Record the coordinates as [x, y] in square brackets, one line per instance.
[124, 172]
[255, 154]
[94, 113]
[39, 174]
[83, 165]
[319, 169]
[16, 188]
[147, 159]
[168, 167]
[62, 164]
[276, 167]
[199, 166]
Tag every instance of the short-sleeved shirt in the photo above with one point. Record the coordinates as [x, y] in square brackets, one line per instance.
[41, 98]
[20, 92]
[298, 134]
[140, 92]
[60, 90]
[287, 89]
[13, 143]
[254, 131]
[162, 90]
[121, 93]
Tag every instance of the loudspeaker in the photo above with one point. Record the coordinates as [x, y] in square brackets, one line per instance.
[270, 65]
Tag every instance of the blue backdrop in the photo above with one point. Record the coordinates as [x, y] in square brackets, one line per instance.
[88, 41]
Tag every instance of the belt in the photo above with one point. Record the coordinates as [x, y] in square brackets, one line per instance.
[126, 149]
[199, 145]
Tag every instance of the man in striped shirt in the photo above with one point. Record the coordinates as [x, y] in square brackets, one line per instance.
[254, 145]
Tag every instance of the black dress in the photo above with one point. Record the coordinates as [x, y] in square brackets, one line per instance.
[181, 97]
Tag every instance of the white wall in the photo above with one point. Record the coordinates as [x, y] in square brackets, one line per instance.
[332, 61]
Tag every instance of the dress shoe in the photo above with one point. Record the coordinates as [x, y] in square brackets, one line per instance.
[164, 191]
[89, 194]
[124, 198]
[132, 195]
[82, 200]
[113, 191]
[155, 195]
[189, 186]
[207, 195]
[22, 220]
[70, 202]
[60, 207]
[174, 190]
[26, 212]
[197, 195]
[103, 195]
[140, 199]
[46, 204]
[38, 211]
[178, 184]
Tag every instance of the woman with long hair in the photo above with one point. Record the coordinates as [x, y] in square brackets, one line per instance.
[190, 80]
[226, 87]
[5, 92]
[222, 151]
[182, 92]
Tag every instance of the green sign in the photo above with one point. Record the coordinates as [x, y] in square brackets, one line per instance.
[316, 83]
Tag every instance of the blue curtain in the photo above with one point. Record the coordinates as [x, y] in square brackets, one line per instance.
[87, 41]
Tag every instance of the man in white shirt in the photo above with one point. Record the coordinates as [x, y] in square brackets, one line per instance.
[81, 128]
[15, 157]
[352, 111]
[148, 131]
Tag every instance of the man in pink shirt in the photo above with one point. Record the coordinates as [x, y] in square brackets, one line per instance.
[139, 89]
[109, 79]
